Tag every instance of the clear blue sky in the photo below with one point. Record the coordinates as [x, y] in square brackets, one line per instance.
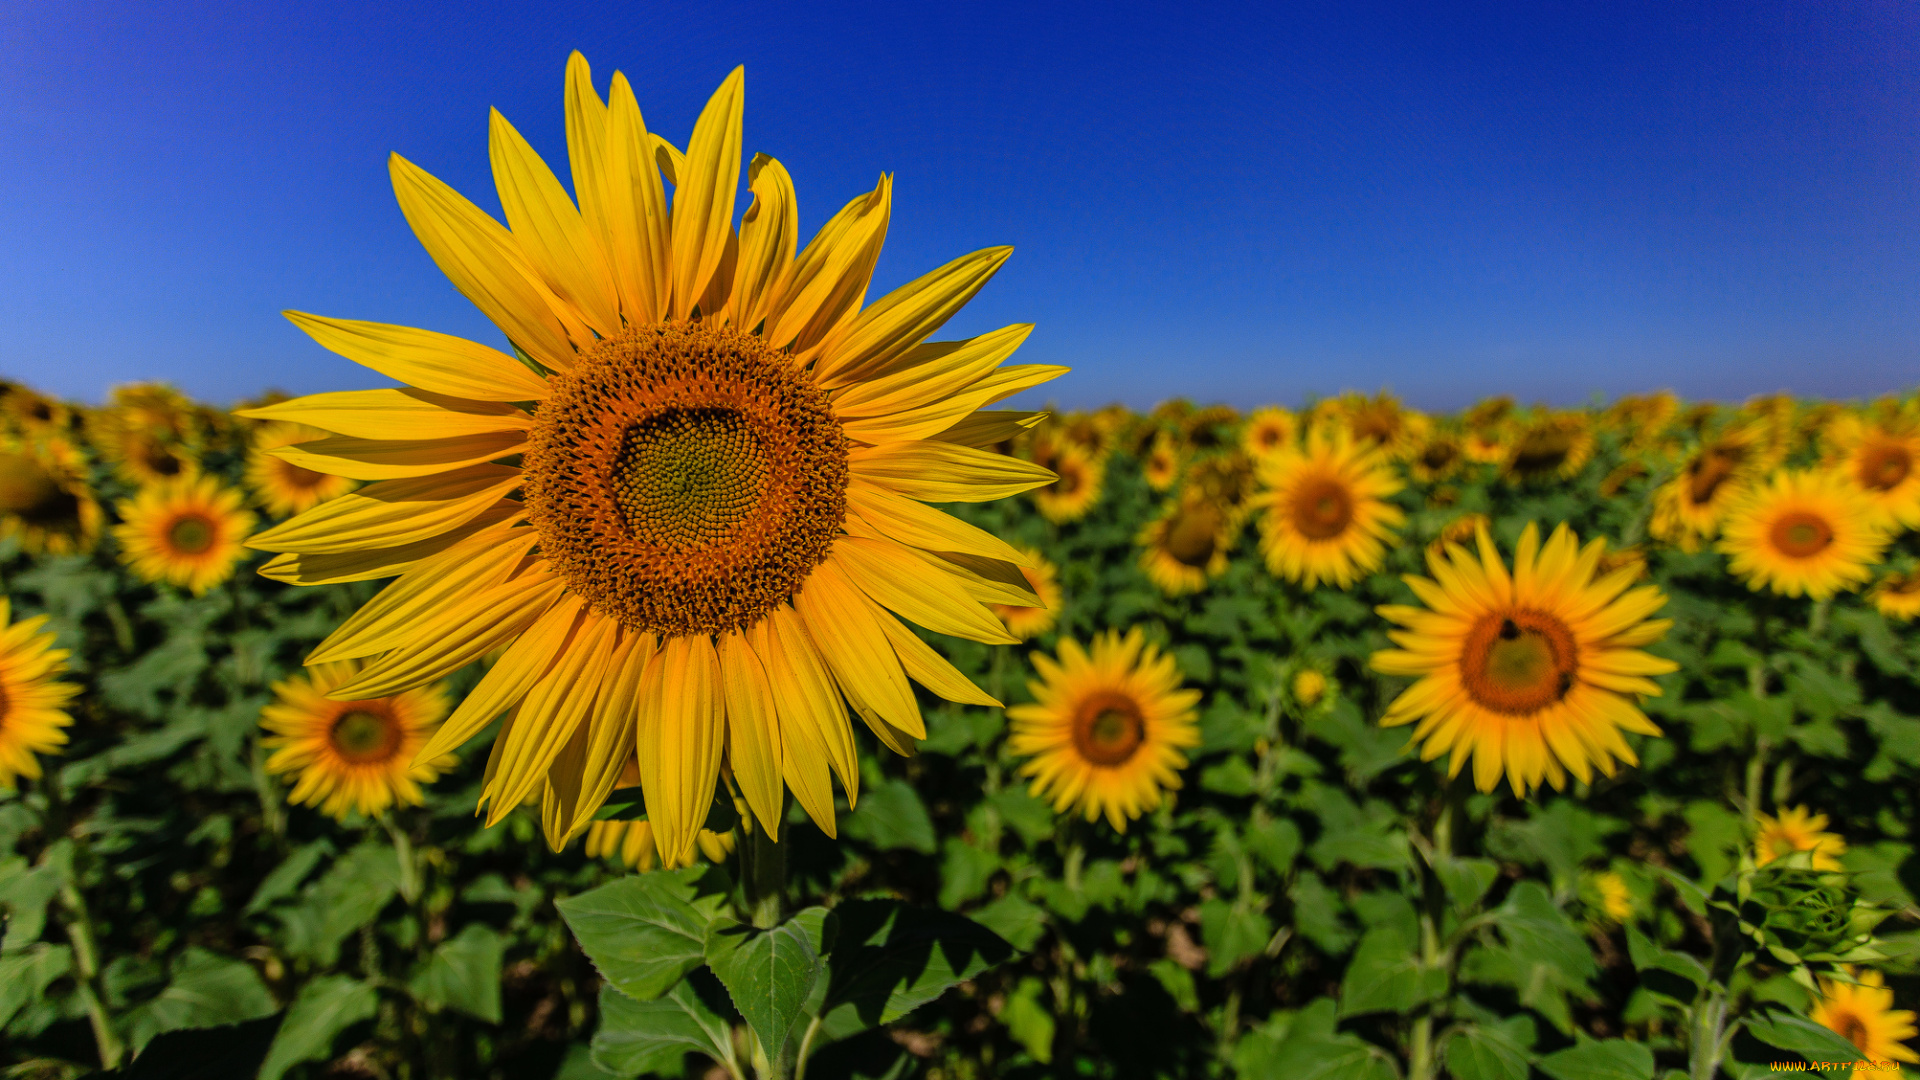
[1229, 203]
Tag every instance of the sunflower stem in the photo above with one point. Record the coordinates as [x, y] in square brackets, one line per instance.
[1817, 625]
[763, 872]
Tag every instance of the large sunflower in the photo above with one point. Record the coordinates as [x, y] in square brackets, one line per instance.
[1531, 673]
[1864, 1016]
[722, 474]
[1105, 730]
[1327, 518]
[186, 532]
[356, 754]
[1804, 532]
[281, 486]
[45, 501]
[33, 715]
[1797, 829]
[1883, 460]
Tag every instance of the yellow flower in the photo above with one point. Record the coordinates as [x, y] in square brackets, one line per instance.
[1689, 509]
[723, 480]
[32, 413]
[1210, 428]
[1642, 418]
[1898, 596]
[631, 844]
[1883, 461]
[1309, 687]
[1804, 532]
[45, 501]
[1186, 545]
[1553, 448]
[33, 702]
[1440, 456]
[1163, 463]
[1106, 729]
[1798, 830]
[1268, 431]
[185, 532]
[147, 432]
[1864, 1016]
[1487, 445]
[1616, 899]
[278, 484]
[1080, 477]
[1327, 518]
[1025, 622]
[352, 754]
[1531, 673]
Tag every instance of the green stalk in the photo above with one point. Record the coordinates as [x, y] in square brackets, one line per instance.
[86, 963]
[763, 875]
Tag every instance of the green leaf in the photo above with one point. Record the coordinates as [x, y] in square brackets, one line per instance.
[26, 974]
[24, 895]
[1232, 777]
[326, 1006]
[1802, 1036]
[346, 897]
[1317, 913]
[1022, 922]
[1275, 843]
[1600, 1059]
[623, 804]
[206, 990]
[768, 973]
[464, 973]
[1386, 975]
[1232, 932]
[1029, 1019]
[638, 1037]
[1486, 1052]
[285, 878]
[891, 817]
[1307, 1048]
[1031, 817]
[1466, 880]
[646, 931]
[891, 958]
[964, 872]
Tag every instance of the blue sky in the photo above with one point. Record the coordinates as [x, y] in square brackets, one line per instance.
[1242, 204]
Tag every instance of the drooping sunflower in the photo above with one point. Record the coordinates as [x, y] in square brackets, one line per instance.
[1530, 673]
[279, 485]
[33, 716]
[1797, 829]
[1804, 532]
[1162, 466]
[1026, 622]
[1897, 596]
[45, 500]
[1883, 460]
[1079, 479]
[1327, 518]
[1106, 729]
[722, 478]
[1864, 1016]
[630, 843]
[1185, 545]
[1268, 430]
[186, 532]
[356, 754]
[1489, 430]
[1553, 447]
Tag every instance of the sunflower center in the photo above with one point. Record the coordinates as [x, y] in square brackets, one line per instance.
[1108, 729]
[1194, 535]
[296, 476]
[25, 488]
[1518, 662]
[1072, 477]
[361, 735]
[684, 479]
[1884, 467]
[1707, 473]
[1542, 451]
[158, 459]
[1439, 454]
[1801, 535]
[1853, 1029]
[1322, 509]
[190, 534]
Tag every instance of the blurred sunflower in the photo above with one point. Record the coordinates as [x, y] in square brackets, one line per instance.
[28, 412]
[1106, 729]
[1797, 829]
[1442, 454]
[1268, 430]
[352, 755]
[1227, 480]
[1689, 509]
[186, 532]
[1162, 466]
[1884, 462]
[45, 501]
[279, 485]
[1311, 688]
[1897, 596]
[1554, 447]
[1091, 432]
[33, 715]
[1381, 422]
[1531, 673]
[1185, 545]
[1614, 897]
[1487, 445]
[1621, 475]
[1641, 419]
[1461, 530]
[724, 479]
[146, 432]
[1078, 480]
[1804, 532]
[1327, 518]
[1210, 428]
[1864, 1016]
[1025, 622]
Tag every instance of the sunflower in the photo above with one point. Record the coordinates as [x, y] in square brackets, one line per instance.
[31, 413]
[1615, 897]
[1897, 596]
[724, 477]
[1092, 432]
[1487, 445]
[32, 702]
[1327, 518]
[1797, 830]
[45, 501]
[1864, 1015]
[1225, 479]
[1185, 545]
[1310, 687]
[281, 486]
[1105, 730]
[1079, 478]
[1621, 475]
[1381, 421]
[1804, 532]
[1025, 622]
[1689, 509]
[1440, 455]
[1268, 430]
[352, 755]
[1552, 448]
[631, 844]
[1884, 462]
[1641, 419]
[147, 432]
[1162, 467]
[1530, 673]
[186, 532]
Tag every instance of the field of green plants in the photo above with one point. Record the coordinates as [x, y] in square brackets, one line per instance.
[1313, 900]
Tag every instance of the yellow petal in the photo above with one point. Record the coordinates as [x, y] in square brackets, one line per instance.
[896, 517]
[984, 429]
[905, 317]
[895, 578]
[550, 712]
[456, 638]
[389, 619]
[393, 459]
[929, 373]
[395, 414]
[612, 721]
[392, 513]
[830, 276]
[587, 149]
[703, 195]
[509, 679]
[681, 732]
[753, 731]
[814, 734]
[441, 363]
[486, 264]
[990, 581]
[769, 233]
[1009, 381]
[366, 564]
[637, 223]
[562, 787]
[669, 160]
[549, 229]
[844, 624]
[944, 472]
[930, 669]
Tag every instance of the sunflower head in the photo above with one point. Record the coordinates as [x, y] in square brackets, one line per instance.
[45, 500]
[279, 485]
[1530, 673]
[1897, 595]
[1797, 829]
[1438, 457]
[1611, 896]
[1079, 478]
[1326, 517]
[1186, 544]
[1861, 1011]
[1268, 430]
[1641, 419]
[1555, 447]
[1883, 462]
[1106, 729]
[352, 755]
[33, 716]
[1808, 533]
[186, 532]
[1163, 462]
[1024, 622]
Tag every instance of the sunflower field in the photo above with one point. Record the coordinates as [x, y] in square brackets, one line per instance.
[717, 687]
